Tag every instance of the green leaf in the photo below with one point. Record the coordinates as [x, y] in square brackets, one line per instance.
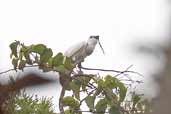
[101, 83]
[111, 96]
[114, 110]
[90, 102]
[111, 82]
[50, 62]
[70, 101]
[39, 48]
[122, 91]
[101, 106]
[22, 64]
[68, 63]
[61, 68]
[46, 55]
[68, 111]
[136, 99]
[57, 60]
[15, 63]
[13, 47]
[75, 86]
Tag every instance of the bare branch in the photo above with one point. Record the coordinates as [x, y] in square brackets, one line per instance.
[116, 71]
[7, 71]
[52, 69]
[87, 96]
[3, 72]
[60, 100]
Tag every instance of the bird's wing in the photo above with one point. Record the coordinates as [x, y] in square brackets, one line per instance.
[74, 49]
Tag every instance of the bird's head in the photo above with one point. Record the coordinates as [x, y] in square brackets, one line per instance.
[93, 41]
[95, 37]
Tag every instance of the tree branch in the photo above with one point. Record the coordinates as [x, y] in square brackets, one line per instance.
[116, 71]
[52, 69]
[87, 96]
[60, 100]
[3, 72]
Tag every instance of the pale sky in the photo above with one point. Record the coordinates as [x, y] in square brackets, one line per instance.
[61, 23]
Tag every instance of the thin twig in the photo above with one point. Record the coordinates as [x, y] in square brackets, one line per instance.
[52, 69]
[3, 72]
[124, 71]
[83, 75]
[6, 71]
[87, 96]
[116, 71]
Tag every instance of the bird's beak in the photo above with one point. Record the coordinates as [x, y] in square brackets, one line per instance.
[101, 47]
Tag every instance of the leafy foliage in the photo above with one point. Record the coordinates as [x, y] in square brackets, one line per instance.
[90, 102]
[101, 106]
[103, 93]
[70, 101]
[136, 99]
[114, 110]
[25, 104]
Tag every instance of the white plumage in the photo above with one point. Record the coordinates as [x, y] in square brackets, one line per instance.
[81, 50]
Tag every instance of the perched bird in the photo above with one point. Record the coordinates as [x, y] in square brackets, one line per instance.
[83, 49]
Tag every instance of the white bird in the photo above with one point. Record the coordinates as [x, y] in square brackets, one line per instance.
[83, 49]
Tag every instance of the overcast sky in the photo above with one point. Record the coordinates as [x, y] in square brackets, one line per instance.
[61, 23]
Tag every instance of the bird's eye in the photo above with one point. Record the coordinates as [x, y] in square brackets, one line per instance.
[91, 36]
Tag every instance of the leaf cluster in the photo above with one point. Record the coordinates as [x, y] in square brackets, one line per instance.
[104, 94]
[40, 55]
[26, 104]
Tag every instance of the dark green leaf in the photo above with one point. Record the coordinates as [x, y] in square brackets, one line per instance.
[111, 96]
[90, 102]
[61, 69]
[21, 64]
[101, 106]
[15, 63]
[114, 110]
[75, 86]
[57, 60]
[39, 48]
[136, 99]
[13, 47]
[68, 63]
[46, 55]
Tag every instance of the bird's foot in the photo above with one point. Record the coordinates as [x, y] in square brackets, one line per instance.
[79, 66]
